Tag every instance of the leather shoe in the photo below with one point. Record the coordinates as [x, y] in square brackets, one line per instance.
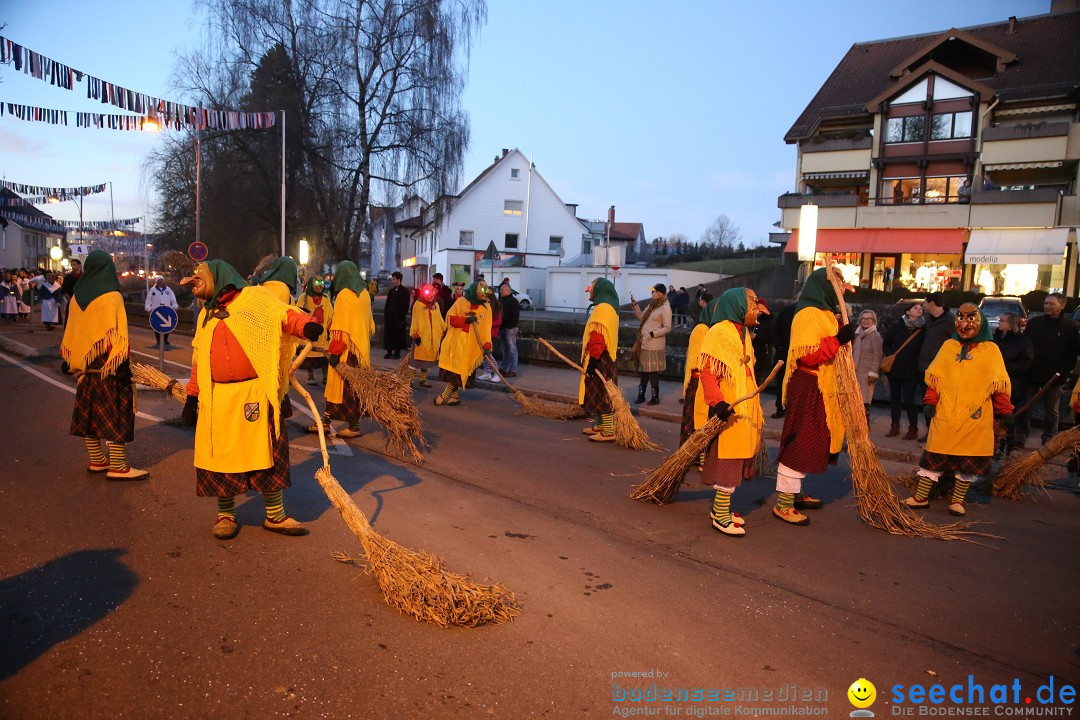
[777, 415]
[129, 474]
[285, 526]
[805, 502]
[790, 515]
[226, 528]
[731, 529]
[601, 437]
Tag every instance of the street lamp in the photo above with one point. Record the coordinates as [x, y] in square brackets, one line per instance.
[54, 199]
[149, 247]
[304, 252]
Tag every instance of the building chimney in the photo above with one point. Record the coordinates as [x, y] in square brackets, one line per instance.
[611, 215]
[1012, 24]
[506, 152]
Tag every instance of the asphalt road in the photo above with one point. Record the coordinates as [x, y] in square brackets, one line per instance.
[116, 601]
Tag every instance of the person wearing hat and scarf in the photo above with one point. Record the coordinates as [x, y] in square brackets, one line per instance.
[695, 410]
[813, 432]
[461, 353]
[427, 331]
[968, 387]
[350, 333]
[649, 346]
[599, 345]
[316, 303]
[234, 396]
[95, 349]
[727, 373]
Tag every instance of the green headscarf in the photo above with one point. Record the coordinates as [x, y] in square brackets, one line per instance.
[818, 292]
[284, 271]
[309, 288]
[472, 295]
[98, 278]
[224, 276]
[347, 277]
[603, 291]
[985, 334]
[731, 305]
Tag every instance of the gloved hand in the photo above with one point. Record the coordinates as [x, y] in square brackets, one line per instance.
[312, 331]
[64, 367]
[846, 334]
[1006, 421]
[123, 374]
[333, 360]
[416, 341]
[929, 411]
[470, 318]
[190, 414]
[721, 410]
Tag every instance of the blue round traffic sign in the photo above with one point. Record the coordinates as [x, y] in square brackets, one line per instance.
[163, 319]
[198, 251]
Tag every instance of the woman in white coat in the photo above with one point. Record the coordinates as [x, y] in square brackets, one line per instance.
[867, 355]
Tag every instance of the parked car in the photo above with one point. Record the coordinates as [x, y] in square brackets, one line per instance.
[993, 306]
[524, 300]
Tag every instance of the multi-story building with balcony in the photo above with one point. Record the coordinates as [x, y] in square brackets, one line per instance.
[948, 160]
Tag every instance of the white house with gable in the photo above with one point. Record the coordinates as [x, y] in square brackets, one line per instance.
[511, 206]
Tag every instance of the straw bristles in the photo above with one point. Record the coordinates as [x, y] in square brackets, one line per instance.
[386, 397]
[1027, 472]
[538, 406]
[763, 467]
[416, 583]
[663, 483]
[153, 378]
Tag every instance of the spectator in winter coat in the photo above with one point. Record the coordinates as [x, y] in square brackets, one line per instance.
[1018, 353]
[905, 376]
[1056, 338]
[160, 294]
[867, 352]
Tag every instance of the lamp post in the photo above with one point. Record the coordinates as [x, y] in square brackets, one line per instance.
[149, 247]
[77, 199]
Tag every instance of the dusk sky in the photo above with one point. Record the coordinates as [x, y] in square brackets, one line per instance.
[675, 113]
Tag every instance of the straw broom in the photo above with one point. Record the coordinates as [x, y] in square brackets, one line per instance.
[627, 431]
[662, 484]
[386, 397]
[415, 583]
[153, 378]
[1027, 472]
[878, 505]
[532, 405]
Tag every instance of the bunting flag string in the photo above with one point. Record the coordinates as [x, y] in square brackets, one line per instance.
[191, 119]
[60, 192]
[35, 221]
[170, 114]
[14, 201]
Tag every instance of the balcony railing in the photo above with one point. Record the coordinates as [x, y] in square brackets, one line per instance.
[1001, 197]
[1027, 130]
[794, 200]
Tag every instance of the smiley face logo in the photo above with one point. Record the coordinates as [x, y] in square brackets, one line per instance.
[862, 693]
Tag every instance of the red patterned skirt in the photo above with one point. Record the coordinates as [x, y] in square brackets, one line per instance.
[276, 477]
[597, 401]
[805, 439]
[962, 464]
[104, 409]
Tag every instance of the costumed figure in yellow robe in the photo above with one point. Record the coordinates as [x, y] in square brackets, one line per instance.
[726, 374]
[461, 353]
[427, 331]
[350, 340]
[813, 431]
[599, 347]
[316, 303]
[281, 280]
[95, 349]
[967, 387]
[694, 410]
[235, 395]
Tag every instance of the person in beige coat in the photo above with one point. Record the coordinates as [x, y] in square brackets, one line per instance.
[650, 345]
[867, 355]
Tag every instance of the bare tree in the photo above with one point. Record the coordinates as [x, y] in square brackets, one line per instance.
[723, 234]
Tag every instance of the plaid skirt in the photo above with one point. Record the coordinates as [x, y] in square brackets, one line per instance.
[962, 464]
[454, 379]
[104, 409]
[597, 401]
[348, 410]
[805, 439]
[276, 477]
[652, 361]
[687, 427]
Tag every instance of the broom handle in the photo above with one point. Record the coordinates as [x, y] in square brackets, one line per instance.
[1036, 396]
[494, 365]
[562, 357]
[310, 403]
[839, 289]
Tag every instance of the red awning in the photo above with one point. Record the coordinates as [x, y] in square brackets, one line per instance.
[936, 241]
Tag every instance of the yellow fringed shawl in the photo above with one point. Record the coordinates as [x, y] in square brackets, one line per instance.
[727, 355]
[604, 320]
[91, 332]
[963, 422]
[810, 326]
[307, 304]
[353, 323]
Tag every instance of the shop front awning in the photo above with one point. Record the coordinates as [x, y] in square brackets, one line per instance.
[843, 175]
[886, 241]
[1024, 166]
[1029, 246]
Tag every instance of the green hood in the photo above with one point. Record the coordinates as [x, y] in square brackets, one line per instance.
[309, 288]
[818, 292]
[472, 295]
[603, 292]
[985, 334]
[283, 270]
[98, 278]
[347, 277]
[224, 276]
[731, 305]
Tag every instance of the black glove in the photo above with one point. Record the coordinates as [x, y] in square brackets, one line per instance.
[333, 360]
[64, 367]
[846, 334]
[312, 331]
[721, 410]
[190, 414]
[929, 411]
[590, 368]
[1006, 421]
[417, 342]
[123, 374]
[470, 318]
